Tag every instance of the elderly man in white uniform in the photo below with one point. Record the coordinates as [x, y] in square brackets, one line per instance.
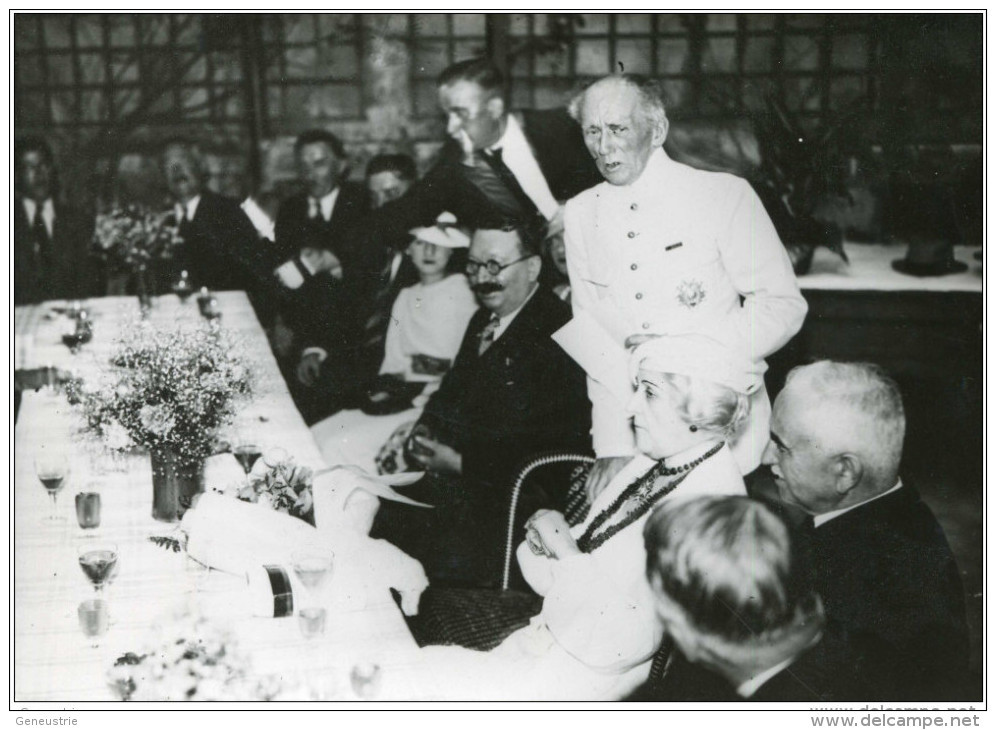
[662, 248]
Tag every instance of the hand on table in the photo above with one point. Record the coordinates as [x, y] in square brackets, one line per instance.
[547, 533]
[436, 456]
[309, 368]
[602, 472]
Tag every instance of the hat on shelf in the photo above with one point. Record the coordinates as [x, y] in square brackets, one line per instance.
[929, 258]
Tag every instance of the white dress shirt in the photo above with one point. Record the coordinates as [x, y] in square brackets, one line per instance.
[325, 204]
[518, 157]
[47, 213]
[504, 322]
[673, 253]
[188, 211]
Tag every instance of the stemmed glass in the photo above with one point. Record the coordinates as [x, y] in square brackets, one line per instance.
[99, 563]
[246, 452]
[52, 471]
[312, 569]
[365, 679]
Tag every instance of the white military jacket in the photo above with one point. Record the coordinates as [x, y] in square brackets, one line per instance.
[680, 250]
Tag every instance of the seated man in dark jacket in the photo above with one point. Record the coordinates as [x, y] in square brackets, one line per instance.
[511, 393]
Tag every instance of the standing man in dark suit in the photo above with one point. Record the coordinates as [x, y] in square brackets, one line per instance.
[51, 241]
[497, 165]
[512, 392]
[892, 592]
[221, 248]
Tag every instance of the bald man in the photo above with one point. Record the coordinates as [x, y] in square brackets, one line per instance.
[891, 589]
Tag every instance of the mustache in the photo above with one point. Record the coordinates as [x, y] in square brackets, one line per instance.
[486, 287]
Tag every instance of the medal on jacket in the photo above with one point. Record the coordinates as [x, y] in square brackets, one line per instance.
[691, 293]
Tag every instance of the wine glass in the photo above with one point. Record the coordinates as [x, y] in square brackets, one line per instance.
[246, 452]
[99, 563]
[52, 471]
[94, 619]
[312, 568]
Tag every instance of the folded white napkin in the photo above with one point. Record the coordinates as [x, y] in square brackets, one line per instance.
[242, 538]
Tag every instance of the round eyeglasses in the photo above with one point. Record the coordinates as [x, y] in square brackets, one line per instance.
[491, 266]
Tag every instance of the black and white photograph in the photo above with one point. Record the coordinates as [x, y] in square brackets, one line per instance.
[498, 360]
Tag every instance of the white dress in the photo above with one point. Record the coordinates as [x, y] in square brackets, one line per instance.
[598, 630]
[425, 320]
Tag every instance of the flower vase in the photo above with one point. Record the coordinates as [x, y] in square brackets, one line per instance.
[175, 481]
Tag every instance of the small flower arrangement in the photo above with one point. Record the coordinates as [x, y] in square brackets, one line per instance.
[132, 237]
[284, 487]
[167, 390]
[191, 659]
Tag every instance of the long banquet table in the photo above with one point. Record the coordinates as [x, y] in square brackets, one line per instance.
[52, 659]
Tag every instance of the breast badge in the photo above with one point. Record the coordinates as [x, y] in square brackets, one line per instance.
[691, 293]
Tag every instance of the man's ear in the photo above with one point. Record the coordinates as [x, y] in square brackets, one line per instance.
[660, 134]
[535, 264]
[848, 470]
[496, 107]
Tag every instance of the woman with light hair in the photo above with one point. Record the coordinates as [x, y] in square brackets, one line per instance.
[735, 597]
[597, 631]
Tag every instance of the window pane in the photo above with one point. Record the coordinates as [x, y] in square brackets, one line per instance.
[801, 53]
[298, 28]
[274, 103]
[845, 90]
[672, 56]
[721, 22]
[227, 67]
[521, 96]
[675, 93]
[635, 55]
[122, 31]
[805, 20]
[553, 63]
[155, 29]
[594, 24]
[670, 23]
[56, 31]
[592, 58]
[60, 69]
[462, 50]
[188, 29]
[720, 55]
[466, 24]
[430, 24]
[519, 24]
[760, 21]
[334, 101]
[64, 109]
[632, 23]
[299, 62]
[89, 32]
[196, 67]
[124, 68]
[125, 102]
[426, 99]
[757, 56]
[850, 52]
[431, 57]
[553, 93]
[340, 62]
[93, 106]
[802, 94]
[30, 109]
[195, 102]
[29, 70]
[25, 32]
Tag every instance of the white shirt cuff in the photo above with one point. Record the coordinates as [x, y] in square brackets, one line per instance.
[322, 354]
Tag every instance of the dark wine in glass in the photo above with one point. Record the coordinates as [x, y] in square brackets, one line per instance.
[52, 483]
[247, 455]
[183, 288]
[99, 563]
[52, 470]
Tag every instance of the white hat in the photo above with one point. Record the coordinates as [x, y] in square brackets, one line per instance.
[445, 233]
[703, 356]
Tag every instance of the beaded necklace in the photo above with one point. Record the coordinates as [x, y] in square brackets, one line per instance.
[645, 496]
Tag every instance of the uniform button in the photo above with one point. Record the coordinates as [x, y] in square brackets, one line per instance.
[634, 206]
[631, 235]
[639, 295]
[633, 267]
[646, 325]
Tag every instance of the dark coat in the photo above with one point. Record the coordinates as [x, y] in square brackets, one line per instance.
[894, 599]
[522, 397]
[73, 273]
[556, 143]
[221, 250]
[294, 230]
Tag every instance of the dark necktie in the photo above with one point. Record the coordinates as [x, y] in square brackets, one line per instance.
[504, 185]
[374, 327]
[184, 224]
[42, 241]
[488, 335]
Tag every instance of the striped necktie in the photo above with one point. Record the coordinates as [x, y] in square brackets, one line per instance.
[488, 334]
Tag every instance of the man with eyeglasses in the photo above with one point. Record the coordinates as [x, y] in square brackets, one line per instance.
[511, 393]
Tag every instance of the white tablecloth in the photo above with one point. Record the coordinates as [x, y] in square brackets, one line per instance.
[53, 661]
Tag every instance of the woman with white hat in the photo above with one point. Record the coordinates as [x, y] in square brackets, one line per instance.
[597, 631]
[427, 324]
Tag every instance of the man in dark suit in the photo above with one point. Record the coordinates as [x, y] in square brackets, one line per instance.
[221, 248]
[737, 600]
[892, 592]
[51, 240]
[496, 166]
[511, 393]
